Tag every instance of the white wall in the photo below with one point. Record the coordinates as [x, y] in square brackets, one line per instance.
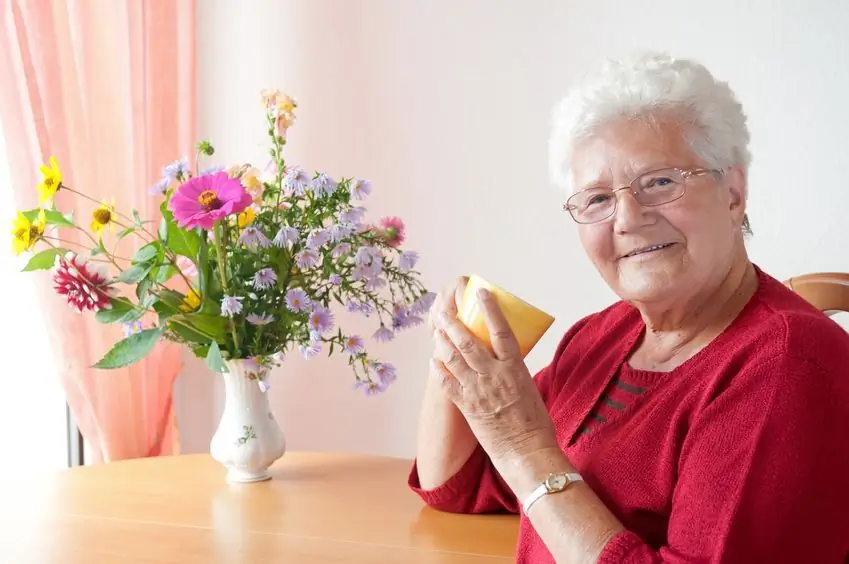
[444, 104]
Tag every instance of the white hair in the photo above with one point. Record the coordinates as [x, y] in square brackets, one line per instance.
[642, 88]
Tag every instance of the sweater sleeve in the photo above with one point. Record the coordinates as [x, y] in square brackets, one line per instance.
[763, 473]
[478, 487]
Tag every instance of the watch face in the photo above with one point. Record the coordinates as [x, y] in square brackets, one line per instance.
[557, 482]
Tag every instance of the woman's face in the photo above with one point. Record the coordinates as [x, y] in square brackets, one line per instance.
[700, 231]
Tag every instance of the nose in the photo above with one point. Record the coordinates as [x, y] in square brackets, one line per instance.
[630, 214]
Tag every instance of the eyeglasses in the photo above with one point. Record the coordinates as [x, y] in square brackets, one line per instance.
[653, 188]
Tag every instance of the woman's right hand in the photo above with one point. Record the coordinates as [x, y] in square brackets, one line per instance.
[447, 301]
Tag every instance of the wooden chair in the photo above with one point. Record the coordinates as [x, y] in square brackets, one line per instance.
[827, 291]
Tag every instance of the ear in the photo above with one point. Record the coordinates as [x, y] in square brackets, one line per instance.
[735, 179]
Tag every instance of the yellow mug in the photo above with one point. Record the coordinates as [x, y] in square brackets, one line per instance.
[527, 322]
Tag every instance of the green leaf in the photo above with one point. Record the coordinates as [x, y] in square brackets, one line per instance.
[143, 288]
[137, 219]
[213, 325]
[176, 324]
[135, 273]
[214, 360]
[165, 272]
[125, 232]
[163, 231]
[119, 309]
[52, 217]
[147, 253]
[99, 249]
[130, 350]
[44, 260]
[183, 242]
[165, 310]
[204, 270]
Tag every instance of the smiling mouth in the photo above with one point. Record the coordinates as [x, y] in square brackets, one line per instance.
[645, 250]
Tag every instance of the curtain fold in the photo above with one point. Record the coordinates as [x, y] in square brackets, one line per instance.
[107, 87]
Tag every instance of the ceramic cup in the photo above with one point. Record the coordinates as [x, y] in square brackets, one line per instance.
[528, 323]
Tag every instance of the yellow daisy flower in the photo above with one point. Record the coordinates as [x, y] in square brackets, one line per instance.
[25, 234]
[246, 217]
[51, 180]
[191, 302]
[103, 217]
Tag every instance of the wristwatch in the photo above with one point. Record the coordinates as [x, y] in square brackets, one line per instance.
[553, 484]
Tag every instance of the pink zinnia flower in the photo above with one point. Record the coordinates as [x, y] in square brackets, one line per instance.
[393, 230]
[84, 284]
[203, 200]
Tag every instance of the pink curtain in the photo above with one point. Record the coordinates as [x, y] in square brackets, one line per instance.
[106, 86]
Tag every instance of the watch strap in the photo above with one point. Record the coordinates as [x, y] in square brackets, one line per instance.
[543, 489]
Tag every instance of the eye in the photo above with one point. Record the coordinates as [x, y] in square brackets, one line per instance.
[597, 199]
[658, 182]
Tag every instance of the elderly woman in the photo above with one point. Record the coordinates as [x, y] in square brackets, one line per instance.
[702, 418]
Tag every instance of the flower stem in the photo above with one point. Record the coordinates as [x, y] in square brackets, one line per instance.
[222, 271]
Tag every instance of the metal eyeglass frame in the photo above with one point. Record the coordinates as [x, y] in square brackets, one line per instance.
[686, 174]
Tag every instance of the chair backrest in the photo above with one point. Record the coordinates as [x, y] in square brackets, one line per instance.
[827, 291]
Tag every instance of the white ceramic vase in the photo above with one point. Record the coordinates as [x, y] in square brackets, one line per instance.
[248, 439]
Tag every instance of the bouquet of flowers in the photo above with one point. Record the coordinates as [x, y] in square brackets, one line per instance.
[244, 264]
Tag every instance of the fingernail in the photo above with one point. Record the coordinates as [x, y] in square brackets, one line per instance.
[444, 319]
[483, 294]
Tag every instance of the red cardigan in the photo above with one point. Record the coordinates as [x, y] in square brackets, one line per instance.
[741, 454]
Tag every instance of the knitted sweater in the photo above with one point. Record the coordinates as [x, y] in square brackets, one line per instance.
[741, 454]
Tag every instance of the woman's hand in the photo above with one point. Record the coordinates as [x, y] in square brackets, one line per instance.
[493, 389]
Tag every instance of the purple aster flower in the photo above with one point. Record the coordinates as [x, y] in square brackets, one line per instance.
[264, 279]
[383, 335]
[307, 258]
[286, 237]
[374, 269]
[373, 284]
[366, 309]
[212, 169]
[311, 350]
[323, 185]
[361, 189]
[321, 320]
[296, 181]
[253, 365]
[178, 170]
[423, 304]
[404, 319]
[354, 345]
[132, 328]
[259, 319]
[359, 272]
[231, 306]
[340, 231]
[369, 387]
[254, 239]
[318, 238]
[341, 249]
[160, 187]
[385, 372]
[335, 279]
[353, 215]
[352, 306]
[315, 336]
[408, 260]
[365, 255]
[297, 300]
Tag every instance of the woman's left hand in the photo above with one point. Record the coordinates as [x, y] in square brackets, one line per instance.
[494, 390]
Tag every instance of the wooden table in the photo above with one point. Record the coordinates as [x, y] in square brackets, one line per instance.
[317, 508]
